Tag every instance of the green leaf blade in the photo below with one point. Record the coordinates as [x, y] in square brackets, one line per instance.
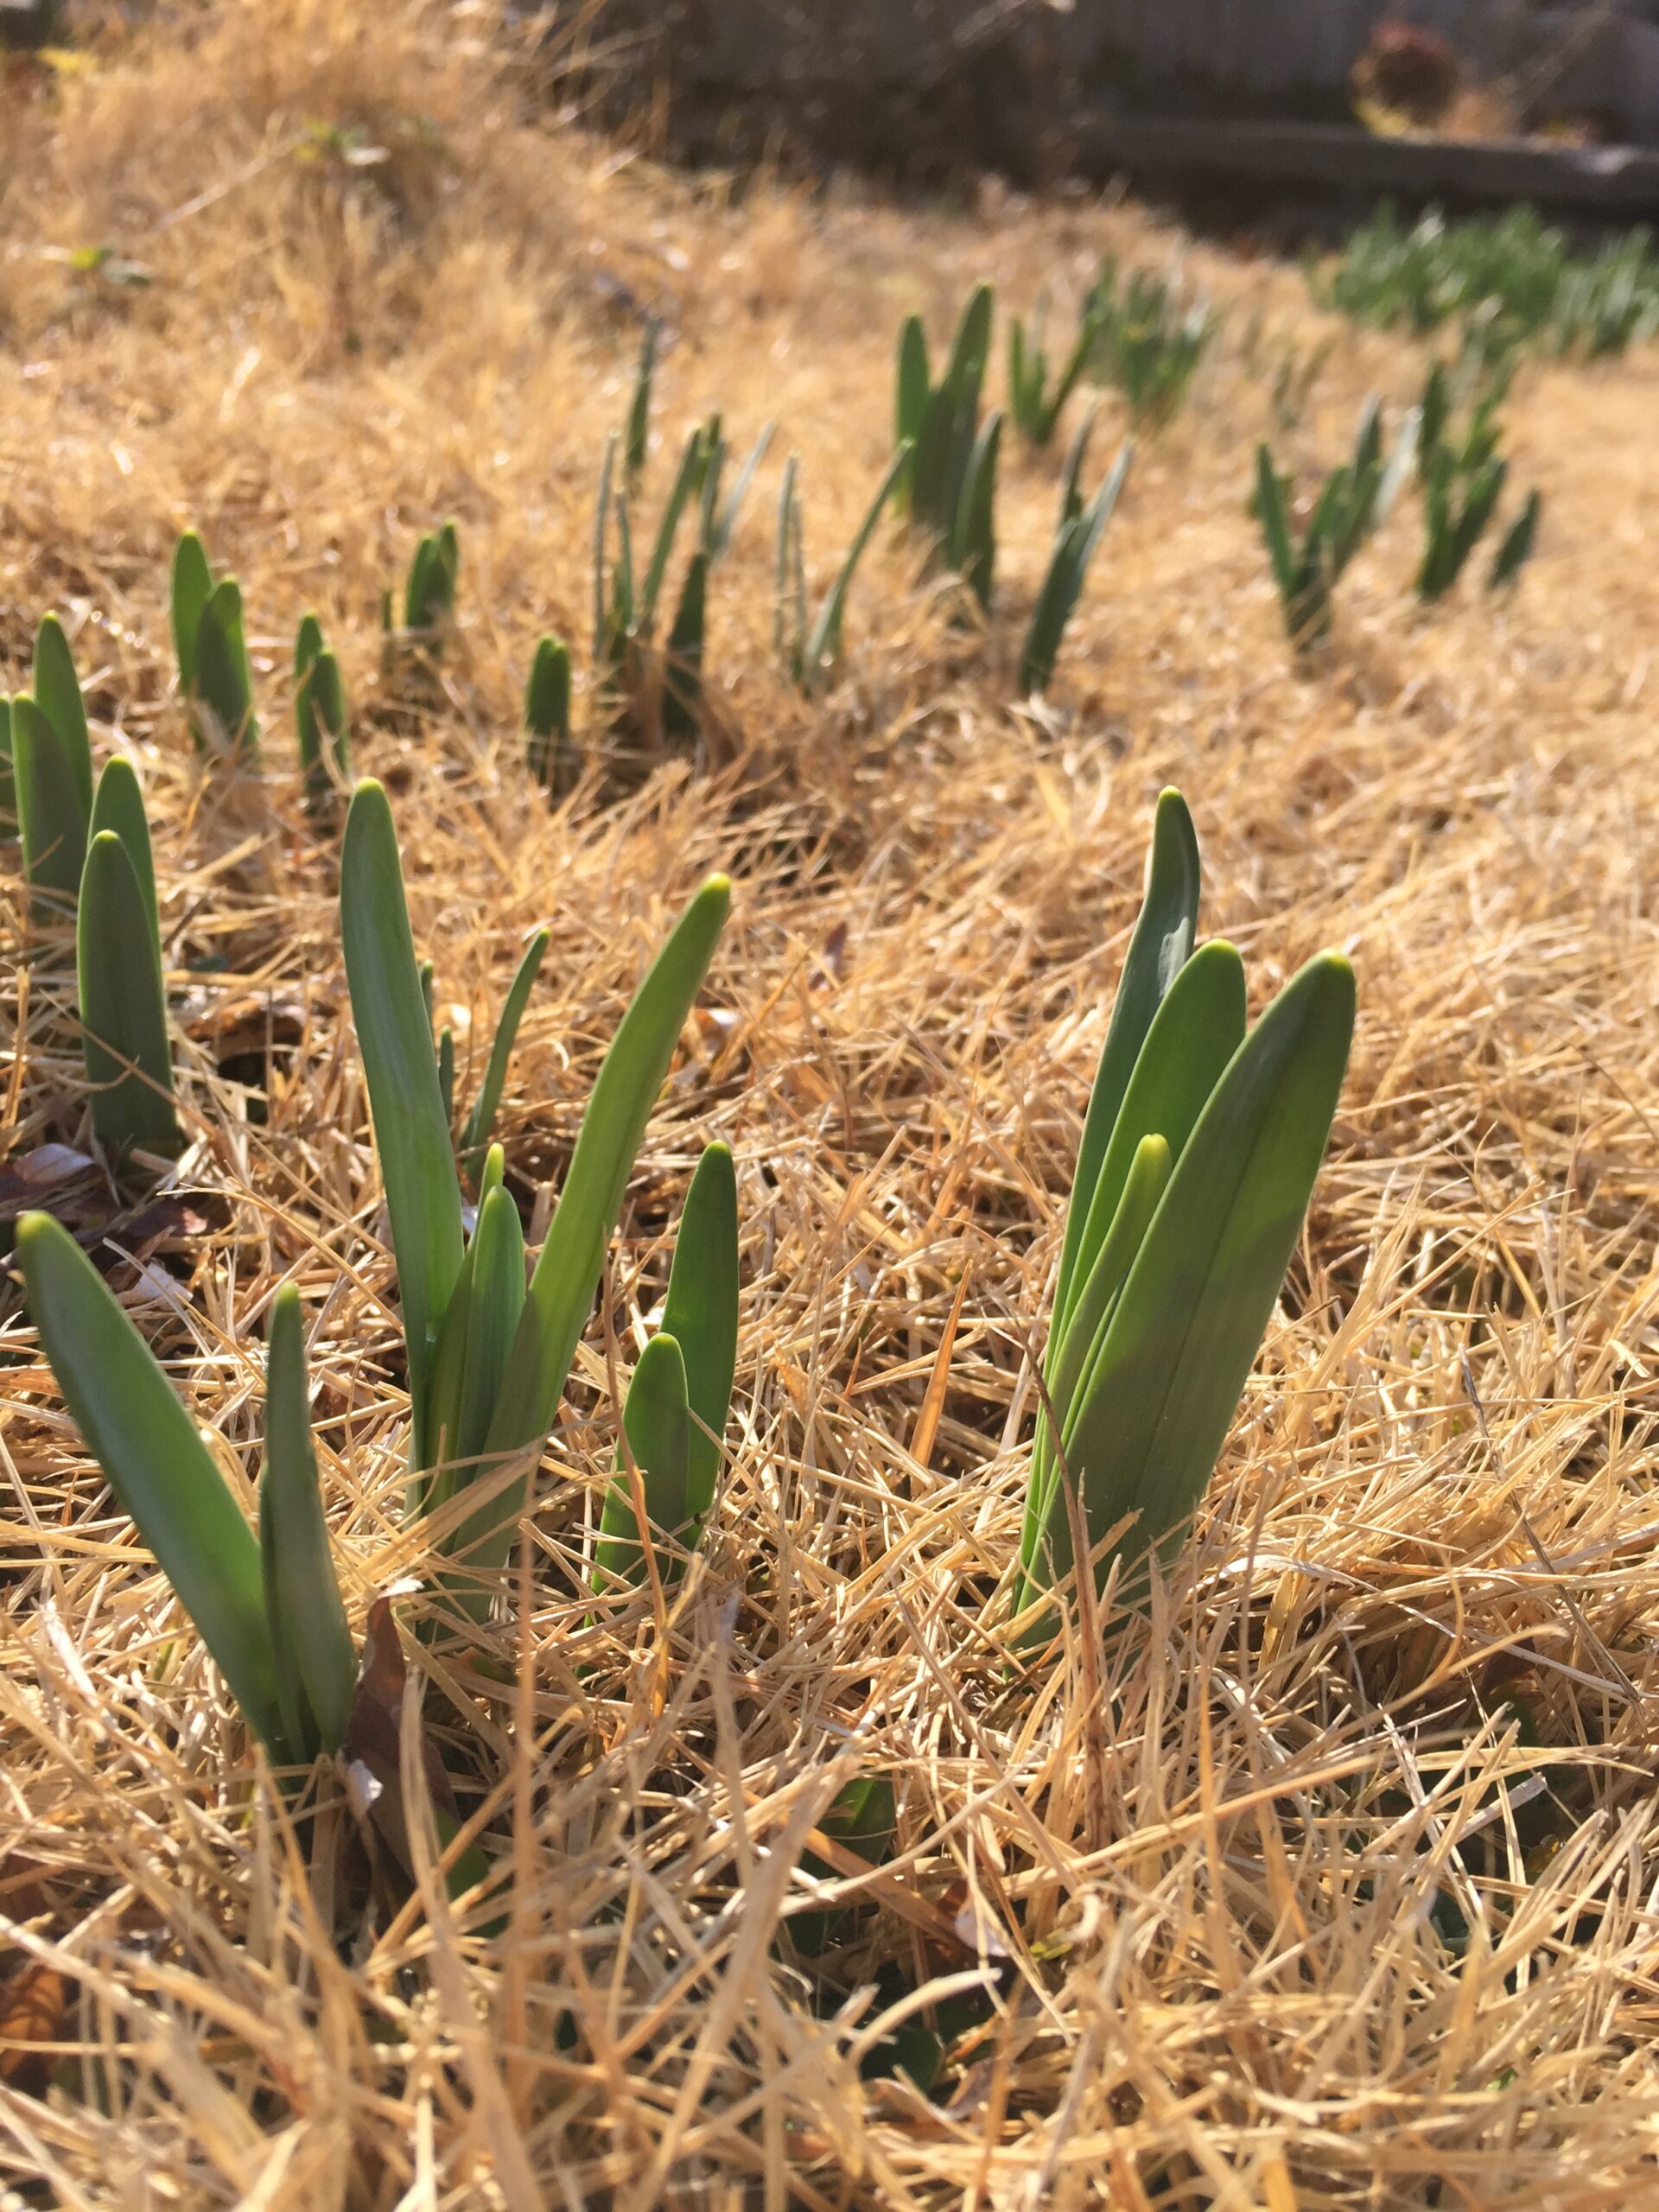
[119, 806]
[658, 1426]
[476, 1136]
[411, 1129]
[192, 585]
[157, 1466]
[123, 1004]
[49, 814]
[316, 1662]
[223, 672]
[1159, 948]
[57, 694]
[700, 1313]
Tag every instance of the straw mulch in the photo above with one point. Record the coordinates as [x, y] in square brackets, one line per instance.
[1331, 1882]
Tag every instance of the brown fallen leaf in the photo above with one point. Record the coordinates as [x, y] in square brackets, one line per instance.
[374, 1738]
[34, 2003]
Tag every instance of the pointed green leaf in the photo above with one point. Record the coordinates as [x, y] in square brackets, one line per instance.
[49, 815]
[410, 1127]
[1071, 475]
[1517, 549]
[1159, 949]
[914, 381]
[119, 805]
[567, 1271]
[975, 543]
[551, 757]
[682, 678]
[419, 590]
[497, 1302]
[162, 1473]
[193, 584]
[1068, 568]
[668, 529]
[1199, 1026]
[1275, 528]
[823, 646]
[123, 1004]
[658, 1430]
[1196, 1030]
[319, 713]
[57, 694]
[316, 1666]
[700, 1313]
[639, 437]
[223, 672]
[1191, 1317]
[601, 524]
[482, 1117]
[308, 643]
[724, 526]
[476, 1339]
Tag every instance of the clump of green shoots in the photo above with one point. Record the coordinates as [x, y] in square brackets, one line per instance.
[319, 717]
[86, 852]
[1463, 476]
[554, 758]
[429, 591]
[809, 648]
[1351, 502]
[215, 675]
[1511, 278]
[487, 1358]
[1149, 340]
[1034, 404]
[1199, 1157]
[1078, 534]
[626, 599]
[487, 1361]
[950, 472]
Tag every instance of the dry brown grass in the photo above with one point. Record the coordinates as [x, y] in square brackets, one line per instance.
[1277, 1906]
